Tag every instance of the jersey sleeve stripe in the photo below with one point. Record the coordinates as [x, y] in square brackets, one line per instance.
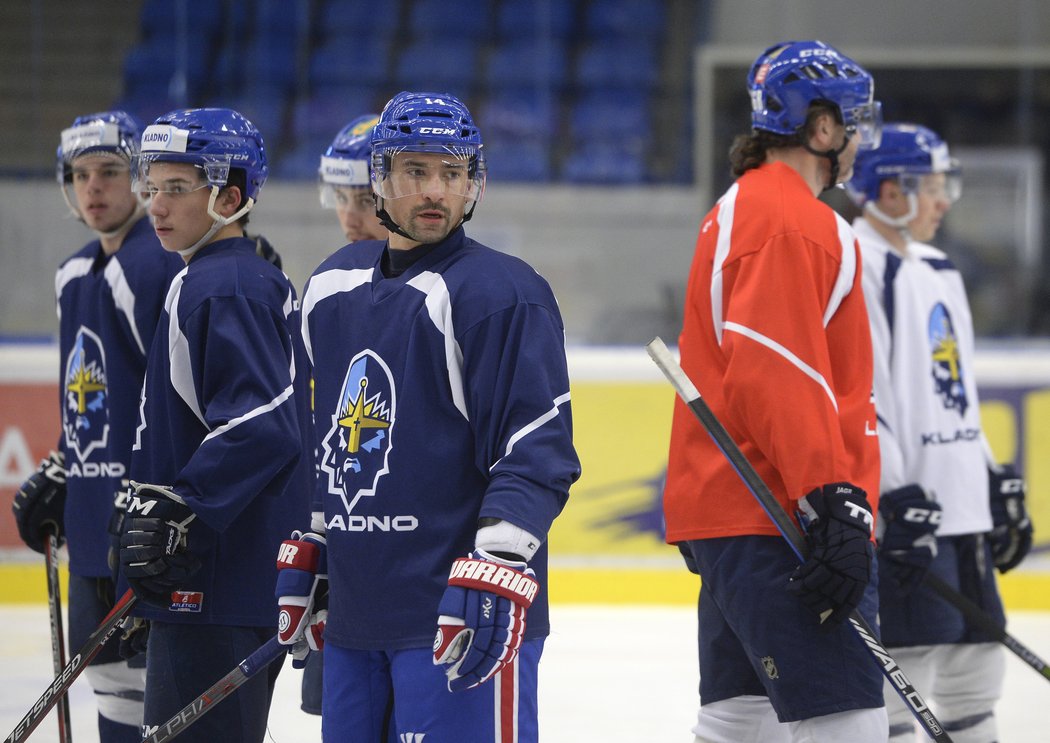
[847, 268]
[324, 285]
[726, 207]
[530, 427]
[791, 358]
[123, 297]
[181, 370]
[73, 269]
[439, 307]
[261, 410]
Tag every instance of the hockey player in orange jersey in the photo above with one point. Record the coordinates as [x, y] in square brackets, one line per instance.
[776, 338]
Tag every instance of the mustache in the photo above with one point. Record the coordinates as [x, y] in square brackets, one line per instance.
[431, 207]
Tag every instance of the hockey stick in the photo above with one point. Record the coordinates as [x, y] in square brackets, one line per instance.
[976, 616]
[267, 653]
[73, 669]
[787, 528]
[58, 637]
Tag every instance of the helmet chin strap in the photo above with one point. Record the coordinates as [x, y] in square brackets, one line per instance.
[387, 221]
[218, 222]
[833, 159]
[901, 223]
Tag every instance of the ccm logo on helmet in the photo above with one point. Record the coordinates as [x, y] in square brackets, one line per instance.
[436, 130]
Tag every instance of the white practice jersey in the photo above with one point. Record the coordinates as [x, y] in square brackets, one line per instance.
[925, 390]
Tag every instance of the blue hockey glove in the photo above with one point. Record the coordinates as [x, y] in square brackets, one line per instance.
[908, 544]
[115, 527]
[302, 594]
[832, 580]
[481, 619]
[153, 551]
[1011, 535]
[40, 503]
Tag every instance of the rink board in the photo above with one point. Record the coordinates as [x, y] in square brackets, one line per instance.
[607, 546]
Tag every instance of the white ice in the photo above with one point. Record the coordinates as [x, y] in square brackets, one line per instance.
[608, 675]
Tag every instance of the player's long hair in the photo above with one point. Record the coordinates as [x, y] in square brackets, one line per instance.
[749, 150]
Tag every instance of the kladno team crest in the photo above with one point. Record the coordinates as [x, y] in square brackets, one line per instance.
[85, 415]
[946, 362]
[358, 444]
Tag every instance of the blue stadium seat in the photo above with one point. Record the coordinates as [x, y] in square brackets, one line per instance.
[342, 63]
[438, 66]
[605, 163]
[527, 63]
[151, 67]
[629, 63]
[518, 114]
[625, 19]
[600, 116]
[160, 18]
[512, 160]
[450, 19]
[320, 118]
[300, 163]
[525, 19]
[342, 17]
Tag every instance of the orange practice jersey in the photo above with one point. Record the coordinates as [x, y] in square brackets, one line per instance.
[776, 339]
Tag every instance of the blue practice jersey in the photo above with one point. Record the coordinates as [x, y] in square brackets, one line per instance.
[107, 308]
[225, 413]
[441, 397]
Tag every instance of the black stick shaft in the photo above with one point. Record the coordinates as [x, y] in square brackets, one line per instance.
[266, 654]
[691, 396]
[58, 635]
[72, 670]
[977, 617]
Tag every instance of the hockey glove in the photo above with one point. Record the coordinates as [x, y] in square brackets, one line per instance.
[1011, 535]
[302, 594]
[833, 577]
[908, 544]
[116, 528]
[133, 637]
[481, 619]
[40, 503]
[153, 545]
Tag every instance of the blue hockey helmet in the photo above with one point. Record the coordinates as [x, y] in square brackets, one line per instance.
[215, 140]
[427, 122]
[907, 152]
[114, 132]
[788, 77]
[346, 162]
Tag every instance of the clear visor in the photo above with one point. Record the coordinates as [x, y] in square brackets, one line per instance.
[866, 121]
[438, 170]
[356, 199]
[938, 186]
[207, 170]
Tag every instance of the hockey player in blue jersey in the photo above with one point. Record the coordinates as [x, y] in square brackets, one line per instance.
[945, 506]
[345, 187]
[109, 295]
[344, 182]
[444, 452]
[218, 472]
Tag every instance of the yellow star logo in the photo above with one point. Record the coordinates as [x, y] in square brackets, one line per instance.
[359, 418]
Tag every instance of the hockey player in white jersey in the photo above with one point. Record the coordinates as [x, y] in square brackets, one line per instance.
[109, 295]
[945, 506]
[444, 452]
